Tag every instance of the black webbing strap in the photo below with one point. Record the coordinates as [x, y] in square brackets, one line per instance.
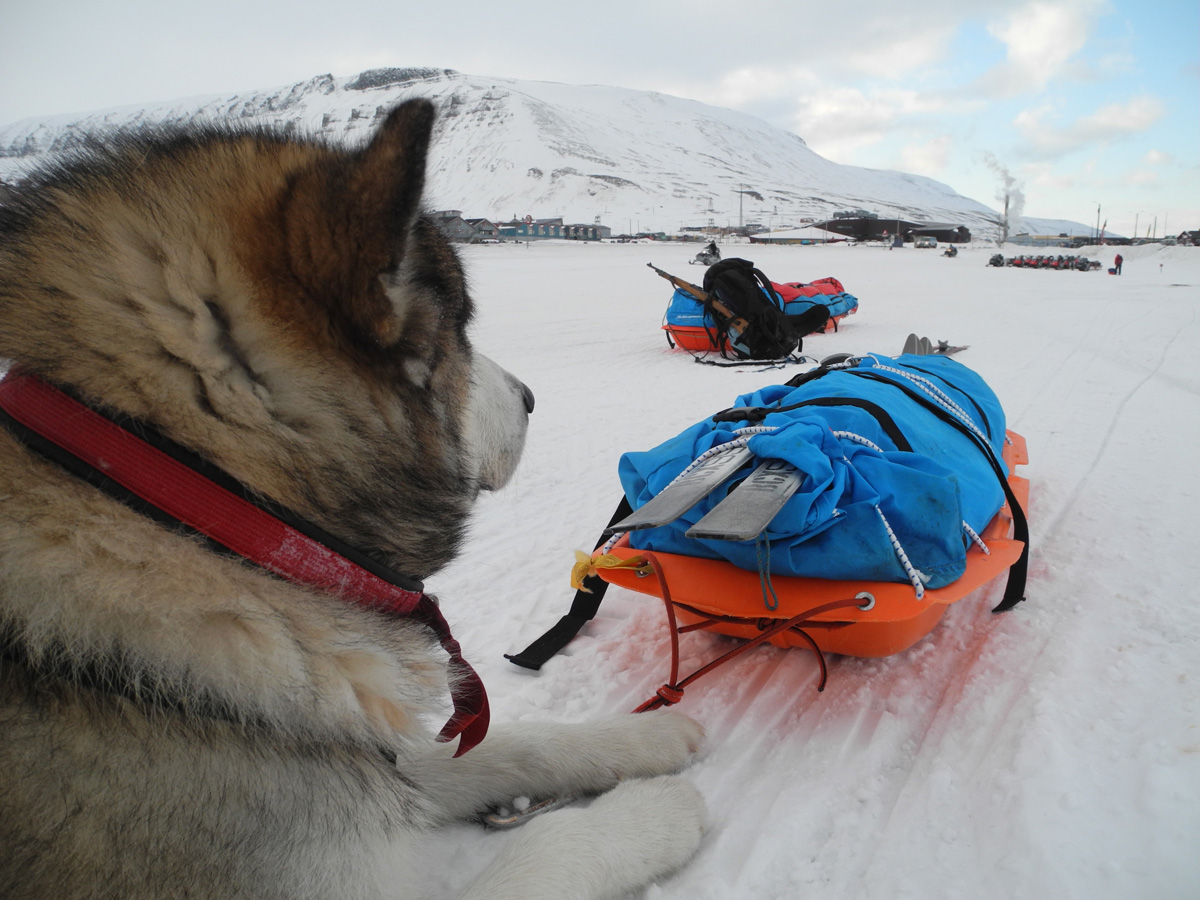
[583, 609]
[755, 414]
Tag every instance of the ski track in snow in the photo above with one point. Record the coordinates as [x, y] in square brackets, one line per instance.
[1050, 752]
[1111, 336]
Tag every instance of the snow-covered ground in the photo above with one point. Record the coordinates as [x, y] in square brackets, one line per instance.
[1049, 752]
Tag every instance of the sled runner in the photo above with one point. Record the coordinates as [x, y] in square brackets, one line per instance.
[906, 508]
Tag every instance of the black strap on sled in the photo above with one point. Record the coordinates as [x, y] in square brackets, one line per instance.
[755, 414]
[583, 610]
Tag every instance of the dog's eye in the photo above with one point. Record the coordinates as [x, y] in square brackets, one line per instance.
[439, 272]
[452, 300]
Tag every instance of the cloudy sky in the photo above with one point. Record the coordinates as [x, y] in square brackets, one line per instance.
[1074, 103]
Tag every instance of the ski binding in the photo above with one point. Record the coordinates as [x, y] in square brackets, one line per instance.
[922, 346]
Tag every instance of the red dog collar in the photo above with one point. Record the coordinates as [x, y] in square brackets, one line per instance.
[179, 487]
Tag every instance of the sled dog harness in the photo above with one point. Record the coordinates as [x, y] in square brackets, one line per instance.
[150, 473]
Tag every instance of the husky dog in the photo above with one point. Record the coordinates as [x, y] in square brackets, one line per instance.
[177, 720]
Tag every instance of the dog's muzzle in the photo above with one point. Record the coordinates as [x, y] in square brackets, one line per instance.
[497, 418]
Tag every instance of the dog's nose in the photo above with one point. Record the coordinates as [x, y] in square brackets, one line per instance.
[527, 395]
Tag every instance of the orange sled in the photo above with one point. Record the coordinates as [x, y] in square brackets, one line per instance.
[853, 618]
[695, 338]
[698, 339]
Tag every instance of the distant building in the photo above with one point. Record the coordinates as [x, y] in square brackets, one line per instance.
[451, 223]
[483, 229]
[530, 229]
[860, 225]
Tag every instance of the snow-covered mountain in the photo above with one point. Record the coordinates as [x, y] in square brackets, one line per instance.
[631, 160]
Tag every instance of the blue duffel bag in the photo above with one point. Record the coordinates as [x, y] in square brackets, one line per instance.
[901, 459]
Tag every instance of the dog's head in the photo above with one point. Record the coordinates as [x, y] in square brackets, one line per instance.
[281, 307]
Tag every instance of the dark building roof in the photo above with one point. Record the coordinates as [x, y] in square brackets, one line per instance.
[875, 228]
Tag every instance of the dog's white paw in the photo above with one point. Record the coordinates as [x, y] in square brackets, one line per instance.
[646, 744]
[637, 833]
[659, 821]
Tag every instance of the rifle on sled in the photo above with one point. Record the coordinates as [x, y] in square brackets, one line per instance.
[735, 321]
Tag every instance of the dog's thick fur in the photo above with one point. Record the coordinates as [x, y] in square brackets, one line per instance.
[175, 723]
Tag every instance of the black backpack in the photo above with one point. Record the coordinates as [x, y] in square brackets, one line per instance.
[753, 321]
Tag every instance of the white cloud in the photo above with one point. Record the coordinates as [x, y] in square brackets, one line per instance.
[885, 51]
[837, 122]
[1045, 177]
[928, 157]
[1109, 123]
[1142, 178]
[1041, 38]
[840, 120]
[1158, 158]
[1119, 119]
[758, 84]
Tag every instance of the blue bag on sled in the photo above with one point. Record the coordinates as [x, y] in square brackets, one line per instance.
[901, 463]
[904, 502]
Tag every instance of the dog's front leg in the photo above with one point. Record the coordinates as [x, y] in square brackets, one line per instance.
[551, 760]
[641, 831]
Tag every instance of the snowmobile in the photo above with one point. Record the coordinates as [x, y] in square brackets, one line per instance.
[710, 255]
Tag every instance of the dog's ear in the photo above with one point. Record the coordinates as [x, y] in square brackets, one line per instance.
[350, 220]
